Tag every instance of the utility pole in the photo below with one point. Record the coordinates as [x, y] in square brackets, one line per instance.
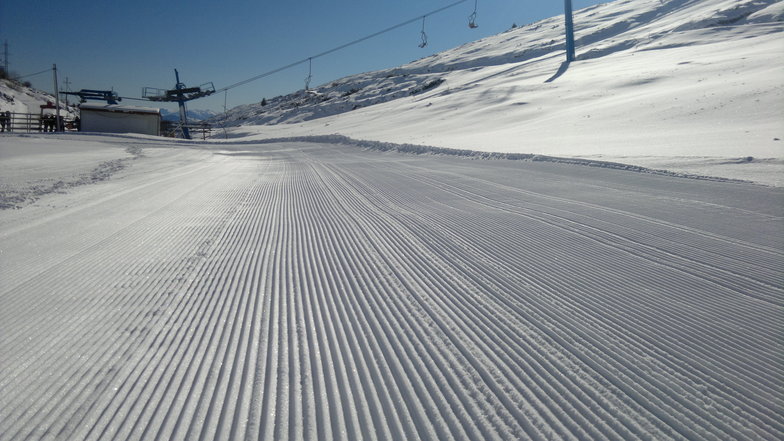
[569, 30]
[56, 99]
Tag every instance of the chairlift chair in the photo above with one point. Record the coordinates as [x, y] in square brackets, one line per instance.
[423, 34]
[472, 18]
[310, 74]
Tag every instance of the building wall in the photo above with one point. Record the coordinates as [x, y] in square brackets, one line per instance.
[120, 122]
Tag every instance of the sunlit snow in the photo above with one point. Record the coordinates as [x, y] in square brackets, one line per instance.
[692, 86]
[472, 253]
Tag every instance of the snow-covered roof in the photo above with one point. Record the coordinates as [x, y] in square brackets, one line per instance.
[119, 108]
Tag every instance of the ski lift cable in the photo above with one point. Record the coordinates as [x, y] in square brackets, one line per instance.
[341, 47]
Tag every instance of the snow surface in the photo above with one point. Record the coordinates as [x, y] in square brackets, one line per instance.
[33, 166]
[120, 108]
[315, 291]
[693, 86]
[16, 98]
[19, 99]
[322, 287]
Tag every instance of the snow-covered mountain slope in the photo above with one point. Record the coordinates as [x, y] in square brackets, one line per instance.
[17, 98]
[697, 80]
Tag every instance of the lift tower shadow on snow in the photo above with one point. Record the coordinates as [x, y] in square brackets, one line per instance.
[569, 25]
[180, 94]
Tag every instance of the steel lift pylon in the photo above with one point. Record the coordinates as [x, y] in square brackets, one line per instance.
[180, 94]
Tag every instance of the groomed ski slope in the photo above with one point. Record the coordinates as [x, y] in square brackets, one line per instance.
[301, 291]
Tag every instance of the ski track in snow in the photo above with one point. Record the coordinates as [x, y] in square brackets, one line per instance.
[298, 291]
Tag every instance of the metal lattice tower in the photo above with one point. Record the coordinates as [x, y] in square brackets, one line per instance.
[180, 94]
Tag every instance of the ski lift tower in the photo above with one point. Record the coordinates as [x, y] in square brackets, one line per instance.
[180, 94]
[109, 96]
[569, 24]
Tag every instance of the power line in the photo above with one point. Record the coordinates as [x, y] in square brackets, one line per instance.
[357, 41]
[37, 73]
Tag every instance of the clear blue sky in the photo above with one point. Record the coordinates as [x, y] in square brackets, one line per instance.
[126, 45]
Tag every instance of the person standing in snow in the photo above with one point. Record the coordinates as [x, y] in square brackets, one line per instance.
[48, 123]
[5, 121]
